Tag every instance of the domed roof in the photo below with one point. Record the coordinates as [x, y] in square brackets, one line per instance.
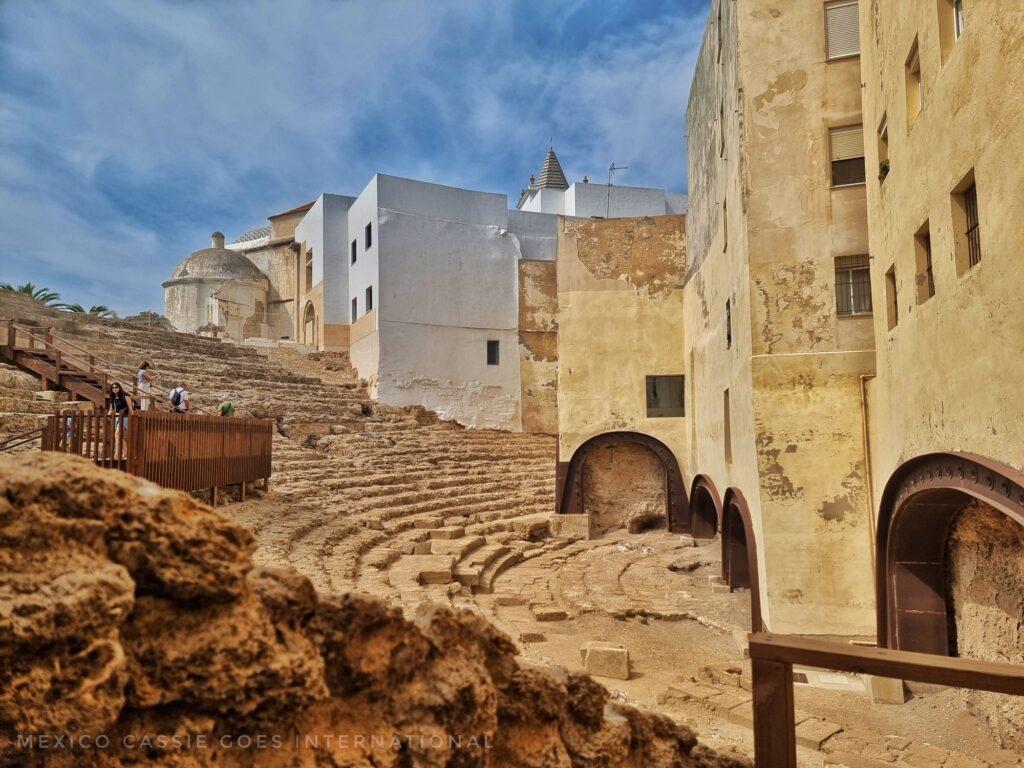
[217, 262]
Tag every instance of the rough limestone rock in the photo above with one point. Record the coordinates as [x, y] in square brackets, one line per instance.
[135, 629]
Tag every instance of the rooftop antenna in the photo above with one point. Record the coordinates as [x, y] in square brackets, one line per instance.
[608, 191]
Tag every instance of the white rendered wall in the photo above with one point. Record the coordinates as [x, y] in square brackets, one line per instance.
[448, 284]
[545, 201]
[589, 200]
[535, 233]
[324, 228]
[365, 272]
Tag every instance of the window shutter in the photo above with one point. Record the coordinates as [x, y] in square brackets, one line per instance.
[842, 27]
[847, 143]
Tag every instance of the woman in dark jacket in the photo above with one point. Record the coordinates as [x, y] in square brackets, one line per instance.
[121, 407]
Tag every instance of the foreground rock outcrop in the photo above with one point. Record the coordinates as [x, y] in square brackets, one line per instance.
[134, 629]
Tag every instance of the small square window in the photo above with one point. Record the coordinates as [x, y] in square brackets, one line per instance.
[368, 236]
[355, 309]
[915, 96]
[847, 153]
[891, 298]
[369, 298]
[665, 396]
[353, 249]
[923, 257]
[883, 148]
[492, 352]
[966, 224]
[842, 29]
[853, 285]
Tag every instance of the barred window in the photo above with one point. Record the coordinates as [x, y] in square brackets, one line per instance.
[853, 285]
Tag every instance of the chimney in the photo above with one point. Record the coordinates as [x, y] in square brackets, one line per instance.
[217, 240]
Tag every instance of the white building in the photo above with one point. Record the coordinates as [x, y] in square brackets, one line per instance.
[420, 282]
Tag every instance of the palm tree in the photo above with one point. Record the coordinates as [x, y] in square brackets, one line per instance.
[42, 295]
[99, 310]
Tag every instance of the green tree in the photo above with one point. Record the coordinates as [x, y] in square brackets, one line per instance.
[100, 310]
[40, 294]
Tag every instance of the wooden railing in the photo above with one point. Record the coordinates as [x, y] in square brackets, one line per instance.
[176, 450]
[772, 658]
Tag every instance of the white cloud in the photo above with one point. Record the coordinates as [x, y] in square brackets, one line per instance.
[130, 129]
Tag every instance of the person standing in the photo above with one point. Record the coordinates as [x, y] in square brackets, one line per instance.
[121, 407]
[145, 378]
[179, 399]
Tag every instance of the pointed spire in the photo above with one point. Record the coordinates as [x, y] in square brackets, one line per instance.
[551, 174]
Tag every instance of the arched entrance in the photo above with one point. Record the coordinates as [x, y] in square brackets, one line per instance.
[309, 326]
[705, 508]
[570, 494]
[739, 552]
[920, 503]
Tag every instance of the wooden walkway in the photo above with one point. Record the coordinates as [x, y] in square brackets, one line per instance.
[186, 452]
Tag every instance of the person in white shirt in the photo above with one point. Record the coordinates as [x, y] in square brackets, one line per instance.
[179, 399]
[145, 378]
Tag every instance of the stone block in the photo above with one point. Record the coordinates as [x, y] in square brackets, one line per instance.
[548, 613]
[960, 760]
[433, 569]
[427, 522]
[727, 701]
[531, 637]
[896, 743]
[605, 659]
[509, 600]
[448, 532]
[687, 540]
[850, 760]
[742, 714]
[421, 548]
[721, 589]
[692, 692]
[571, 526]
[879, 753]
[51, 396]
[1000, 758]
[815, 732]
[884, 690]
[914, 761]
[927, 752]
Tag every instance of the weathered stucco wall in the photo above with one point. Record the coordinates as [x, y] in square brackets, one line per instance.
[278, 263]
[948, 371]
[985, 565]
[538, 346]
[620, 319]
[765, 226]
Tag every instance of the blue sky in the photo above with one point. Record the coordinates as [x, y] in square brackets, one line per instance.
[131, 129]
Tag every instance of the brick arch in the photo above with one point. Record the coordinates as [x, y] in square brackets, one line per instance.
[919, 504]
[569, 489]
[739, 552]
[705, 508]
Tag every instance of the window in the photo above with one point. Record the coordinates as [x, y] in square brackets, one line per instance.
[853, 285]
[665, 396]
[355, 309]
[847, 151]
[951, 25]
[891, 300]
[353, 250]
[727, 427]
[725, 224]
[369, 298]
[912, 73]
[728, 323]
[492, 352]
[923, 256]
[883, 148]
[721, 129]
[368, 236]
[309, 269]
[842, 29]
[966, 224]
[718, 31]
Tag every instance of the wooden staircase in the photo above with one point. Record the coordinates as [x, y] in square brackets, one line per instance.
[72, 372]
